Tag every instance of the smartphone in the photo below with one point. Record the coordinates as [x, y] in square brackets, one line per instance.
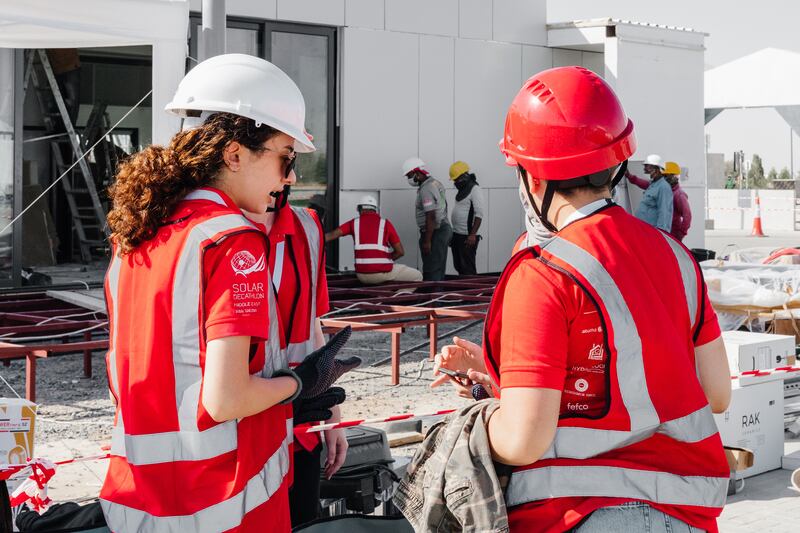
[453, 373]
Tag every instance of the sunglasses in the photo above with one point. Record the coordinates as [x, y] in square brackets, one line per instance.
[290, 160]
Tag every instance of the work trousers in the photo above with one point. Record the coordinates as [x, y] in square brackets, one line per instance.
[464, 255]
[304, 492]
[633, 516]
[398, 272]
[434, 264]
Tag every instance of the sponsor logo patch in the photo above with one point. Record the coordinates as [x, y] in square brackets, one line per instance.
[596, 353]
[581, 385]
[244, 263]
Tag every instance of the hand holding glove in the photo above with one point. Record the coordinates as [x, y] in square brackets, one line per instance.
[317, 409]
[321, 369]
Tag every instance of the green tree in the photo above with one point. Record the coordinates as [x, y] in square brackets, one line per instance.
[785, 174]
[755, 176]
[772, 174]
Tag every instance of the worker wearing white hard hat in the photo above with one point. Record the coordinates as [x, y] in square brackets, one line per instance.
[201, 385]
[656, 204]
[377, 246]
[431, 216]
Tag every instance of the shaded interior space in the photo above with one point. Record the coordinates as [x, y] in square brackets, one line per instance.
[72, 99]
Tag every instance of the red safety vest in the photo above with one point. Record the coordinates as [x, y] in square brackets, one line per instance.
[655, 440]
[297, 349]
[172, 467]
[372, 251]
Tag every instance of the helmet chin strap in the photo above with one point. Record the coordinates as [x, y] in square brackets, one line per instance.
[281, 199]
[595, 179]
[546, 201]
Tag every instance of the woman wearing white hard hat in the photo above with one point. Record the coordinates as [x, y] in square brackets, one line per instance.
[202, 425]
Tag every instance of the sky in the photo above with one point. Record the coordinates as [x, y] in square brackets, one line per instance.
[736, 28]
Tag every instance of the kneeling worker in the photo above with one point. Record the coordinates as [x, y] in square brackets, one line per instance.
[377, 246]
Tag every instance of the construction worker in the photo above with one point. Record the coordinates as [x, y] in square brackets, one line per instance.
[200, 441]
[297, 264]
[681, 211]
[467, 217]
[655, 207]
[601, 343]
[377, 246]
[431, 216]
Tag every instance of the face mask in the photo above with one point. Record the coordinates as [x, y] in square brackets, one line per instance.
[412, 182]
[460, 183]
[537, 233]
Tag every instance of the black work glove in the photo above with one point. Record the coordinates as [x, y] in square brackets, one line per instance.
[479, 392]
[321, 369]
[317, 409]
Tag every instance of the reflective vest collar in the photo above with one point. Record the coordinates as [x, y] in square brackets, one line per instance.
[587, 210]
[210, 194]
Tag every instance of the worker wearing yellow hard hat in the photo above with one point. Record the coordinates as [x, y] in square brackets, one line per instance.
[466, 218]
[681, 211]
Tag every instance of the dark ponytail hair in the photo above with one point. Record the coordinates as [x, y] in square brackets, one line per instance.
[150, 184]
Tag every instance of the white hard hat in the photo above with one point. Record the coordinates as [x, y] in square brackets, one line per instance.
[414, 163]
[654, 160]
[248, 86]
[368, 201]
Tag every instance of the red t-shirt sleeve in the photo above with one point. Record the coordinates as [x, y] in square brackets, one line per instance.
[235, 279]
[391, 233]
[535, 330]
[347, 227]
[709, 329]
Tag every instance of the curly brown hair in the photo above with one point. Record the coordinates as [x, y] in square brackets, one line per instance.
[150, 183]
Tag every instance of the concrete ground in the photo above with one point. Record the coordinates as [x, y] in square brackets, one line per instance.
[725, 241]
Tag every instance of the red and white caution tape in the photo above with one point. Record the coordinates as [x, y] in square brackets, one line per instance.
[8, 470]
[352, 423]
[758, 376]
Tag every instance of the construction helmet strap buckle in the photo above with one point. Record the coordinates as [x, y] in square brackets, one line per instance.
[281, 199]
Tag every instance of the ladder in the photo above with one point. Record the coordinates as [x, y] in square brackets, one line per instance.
[86, 210]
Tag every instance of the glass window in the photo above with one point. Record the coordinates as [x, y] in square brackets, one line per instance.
[242, 41]
[305, 59]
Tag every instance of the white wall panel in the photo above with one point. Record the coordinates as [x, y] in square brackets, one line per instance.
[379, 115]
[267, 9]
[475, 19]
[535, 59]
[364, 13]
[436, 78]
[505, 212]
[398, 206]
[438, 17]
[488, 75]
[564, 58]
[329, 12]
[520, 21]
[595, 62]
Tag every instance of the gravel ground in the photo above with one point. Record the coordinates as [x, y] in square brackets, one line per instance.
[74, 407]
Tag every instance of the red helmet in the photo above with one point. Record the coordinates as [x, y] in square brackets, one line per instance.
[565, 123]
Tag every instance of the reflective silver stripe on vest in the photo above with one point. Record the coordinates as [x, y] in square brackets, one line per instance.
[277, 273]
[374, 261]
[377, 247]
[688, 275]
[297, 351]
[186, 300]
[274, 357]
[607, 481]
[219, 517]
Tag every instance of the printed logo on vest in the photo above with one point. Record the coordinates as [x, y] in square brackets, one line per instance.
[244, 263]
[596, 353]
[581, 385]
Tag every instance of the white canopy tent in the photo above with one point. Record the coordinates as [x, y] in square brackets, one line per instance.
[767, 78]
[161, 24]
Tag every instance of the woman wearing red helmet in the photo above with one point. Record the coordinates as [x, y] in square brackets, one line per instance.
[600, 343]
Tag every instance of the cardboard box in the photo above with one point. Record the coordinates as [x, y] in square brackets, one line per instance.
[754, 421]
[757, 351]
[738, 458]
[17, 425]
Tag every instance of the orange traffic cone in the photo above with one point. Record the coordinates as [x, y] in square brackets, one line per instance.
[757, 230]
